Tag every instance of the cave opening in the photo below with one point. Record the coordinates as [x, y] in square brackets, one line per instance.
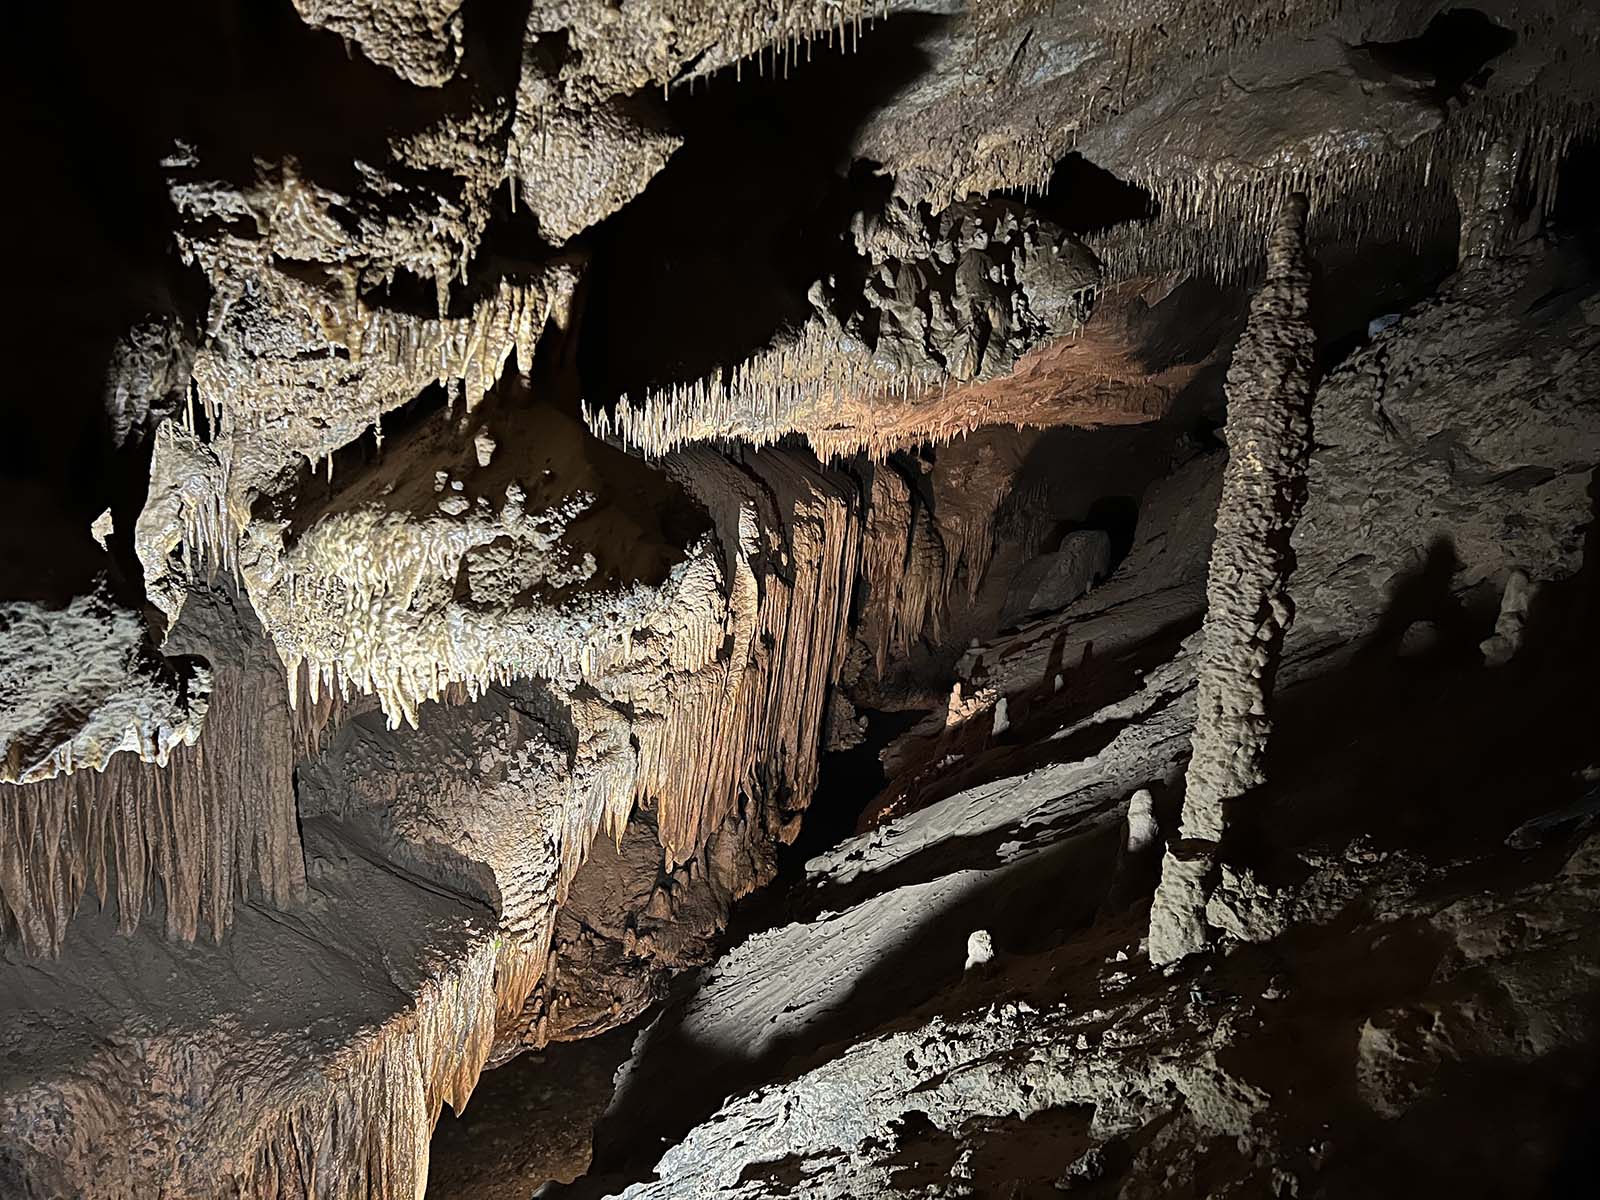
[1115, 516]
[1574, 209]
[1364, 287]
[848, 781]
[1084, 198]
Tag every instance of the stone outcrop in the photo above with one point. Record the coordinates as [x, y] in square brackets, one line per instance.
[362, 1009]
[1054, 580]
[492, 805]
[195, 826]
[81, 684]
[1130, 1078]
[419, 40]
[972, 318]
[1435, 412]
[1220, 110]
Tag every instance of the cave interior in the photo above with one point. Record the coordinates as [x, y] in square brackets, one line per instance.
[828, 598]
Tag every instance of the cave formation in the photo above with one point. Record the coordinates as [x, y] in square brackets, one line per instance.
[833, 598]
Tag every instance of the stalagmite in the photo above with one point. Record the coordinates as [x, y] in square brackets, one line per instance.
[102, 528]
[1142, 827]
[1002, 717]
[1247, 605]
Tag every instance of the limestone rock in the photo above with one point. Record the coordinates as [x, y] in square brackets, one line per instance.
[147, 378]
[968, 319]
[845, 729]
[1458, 487]
[419, 40]
[1515, 603]
[1053, 581]
[83, 683]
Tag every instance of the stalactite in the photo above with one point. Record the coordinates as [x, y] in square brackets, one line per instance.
[214, 823]
[812, 384]
[359, 647]
[313, 711]
[903, 563]
[1125, 53]
[388, 358]
[755, 719]
[1268, 431]
[969, 536]
[776, 29]
[339, 601]
[829, 388]
[1024, 517]
[1214, 222]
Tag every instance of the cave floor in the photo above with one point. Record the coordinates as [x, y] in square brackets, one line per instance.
[1402, 777]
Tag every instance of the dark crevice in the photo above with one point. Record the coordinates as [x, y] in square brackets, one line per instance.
[1357, 288]
[1115, 516]
[1575, 211]
[1084, 198]
[847, 782]
[745, 217]
[1453, 51]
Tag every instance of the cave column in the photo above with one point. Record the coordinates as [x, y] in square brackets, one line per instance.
[1268, 432]
[1486, 192]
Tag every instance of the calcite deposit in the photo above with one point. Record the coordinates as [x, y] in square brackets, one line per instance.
[855, 597]
[1248, 603]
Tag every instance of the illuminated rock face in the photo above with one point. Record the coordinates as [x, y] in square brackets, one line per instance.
[380, 700]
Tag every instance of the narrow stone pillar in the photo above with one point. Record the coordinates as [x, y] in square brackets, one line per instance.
[1268, 432]
[1486, 193]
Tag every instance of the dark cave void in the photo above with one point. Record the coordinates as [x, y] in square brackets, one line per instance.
[716, 255]
[1084, 198]
[1453, 50]
[1576, 209]
[847, 782]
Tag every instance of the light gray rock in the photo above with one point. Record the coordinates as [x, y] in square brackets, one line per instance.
[83, 682]
[1053, 581]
